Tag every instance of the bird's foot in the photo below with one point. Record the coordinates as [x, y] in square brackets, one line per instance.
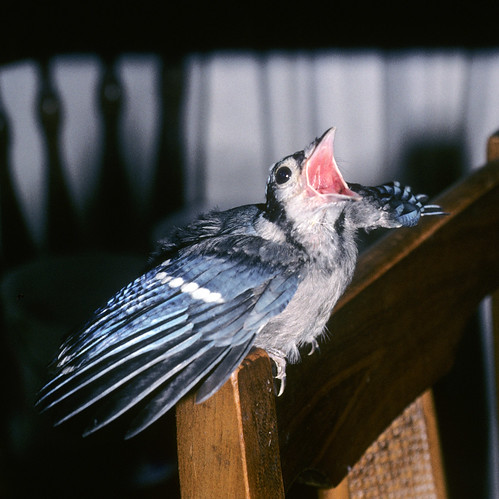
[280, 366]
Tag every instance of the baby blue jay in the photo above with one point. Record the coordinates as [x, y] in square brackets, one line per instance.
[262, 275]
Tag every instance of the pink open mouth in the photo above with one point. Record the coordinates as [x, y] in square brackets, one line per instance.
[322, 173]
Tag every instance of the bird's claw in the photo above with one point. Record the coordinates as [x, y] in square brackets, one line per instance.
[280, 365]
[314, 347]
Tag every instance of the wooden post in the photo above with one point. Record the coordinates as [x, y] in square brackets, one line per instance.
[228, 445]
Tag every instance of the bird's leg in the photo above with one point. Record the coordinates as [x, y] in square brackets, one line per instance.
[280, 364]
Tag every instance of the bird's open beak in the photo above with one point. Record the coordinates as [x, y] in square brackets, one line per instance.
[322, 175]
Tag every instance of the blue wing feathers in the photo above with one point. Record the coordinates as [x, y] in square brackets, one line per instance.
[131, 362]
[138, 388]
[123, 336]
[141, 377]
[126, 310]
[183, 383]
[222, 372]
[189, 321]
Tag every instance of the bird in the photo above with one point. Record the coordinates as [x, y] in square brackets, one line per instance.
[263, 275]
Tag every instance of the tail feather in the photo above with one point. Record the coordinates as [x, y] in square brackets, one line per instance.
[186, 380]
[222, 372]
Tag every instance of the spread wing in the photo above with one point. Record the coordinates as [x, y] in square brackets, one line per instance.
[187, 323]
[400, 206]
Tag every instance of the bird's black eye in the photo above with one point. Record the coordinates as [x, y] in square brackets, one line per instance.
[282, 175]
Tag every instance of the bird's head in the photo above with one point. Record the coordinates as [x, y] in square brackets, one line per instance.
[308, 181]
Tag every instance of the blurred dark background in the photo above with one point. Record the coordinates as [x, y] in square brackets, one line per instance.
[120, 119]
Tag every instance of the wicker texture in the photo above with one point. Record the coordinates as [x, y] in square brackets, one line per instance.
[398, 464]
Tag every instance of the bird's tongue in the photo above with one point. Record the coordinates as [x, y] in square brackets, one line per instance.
[322, 173]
